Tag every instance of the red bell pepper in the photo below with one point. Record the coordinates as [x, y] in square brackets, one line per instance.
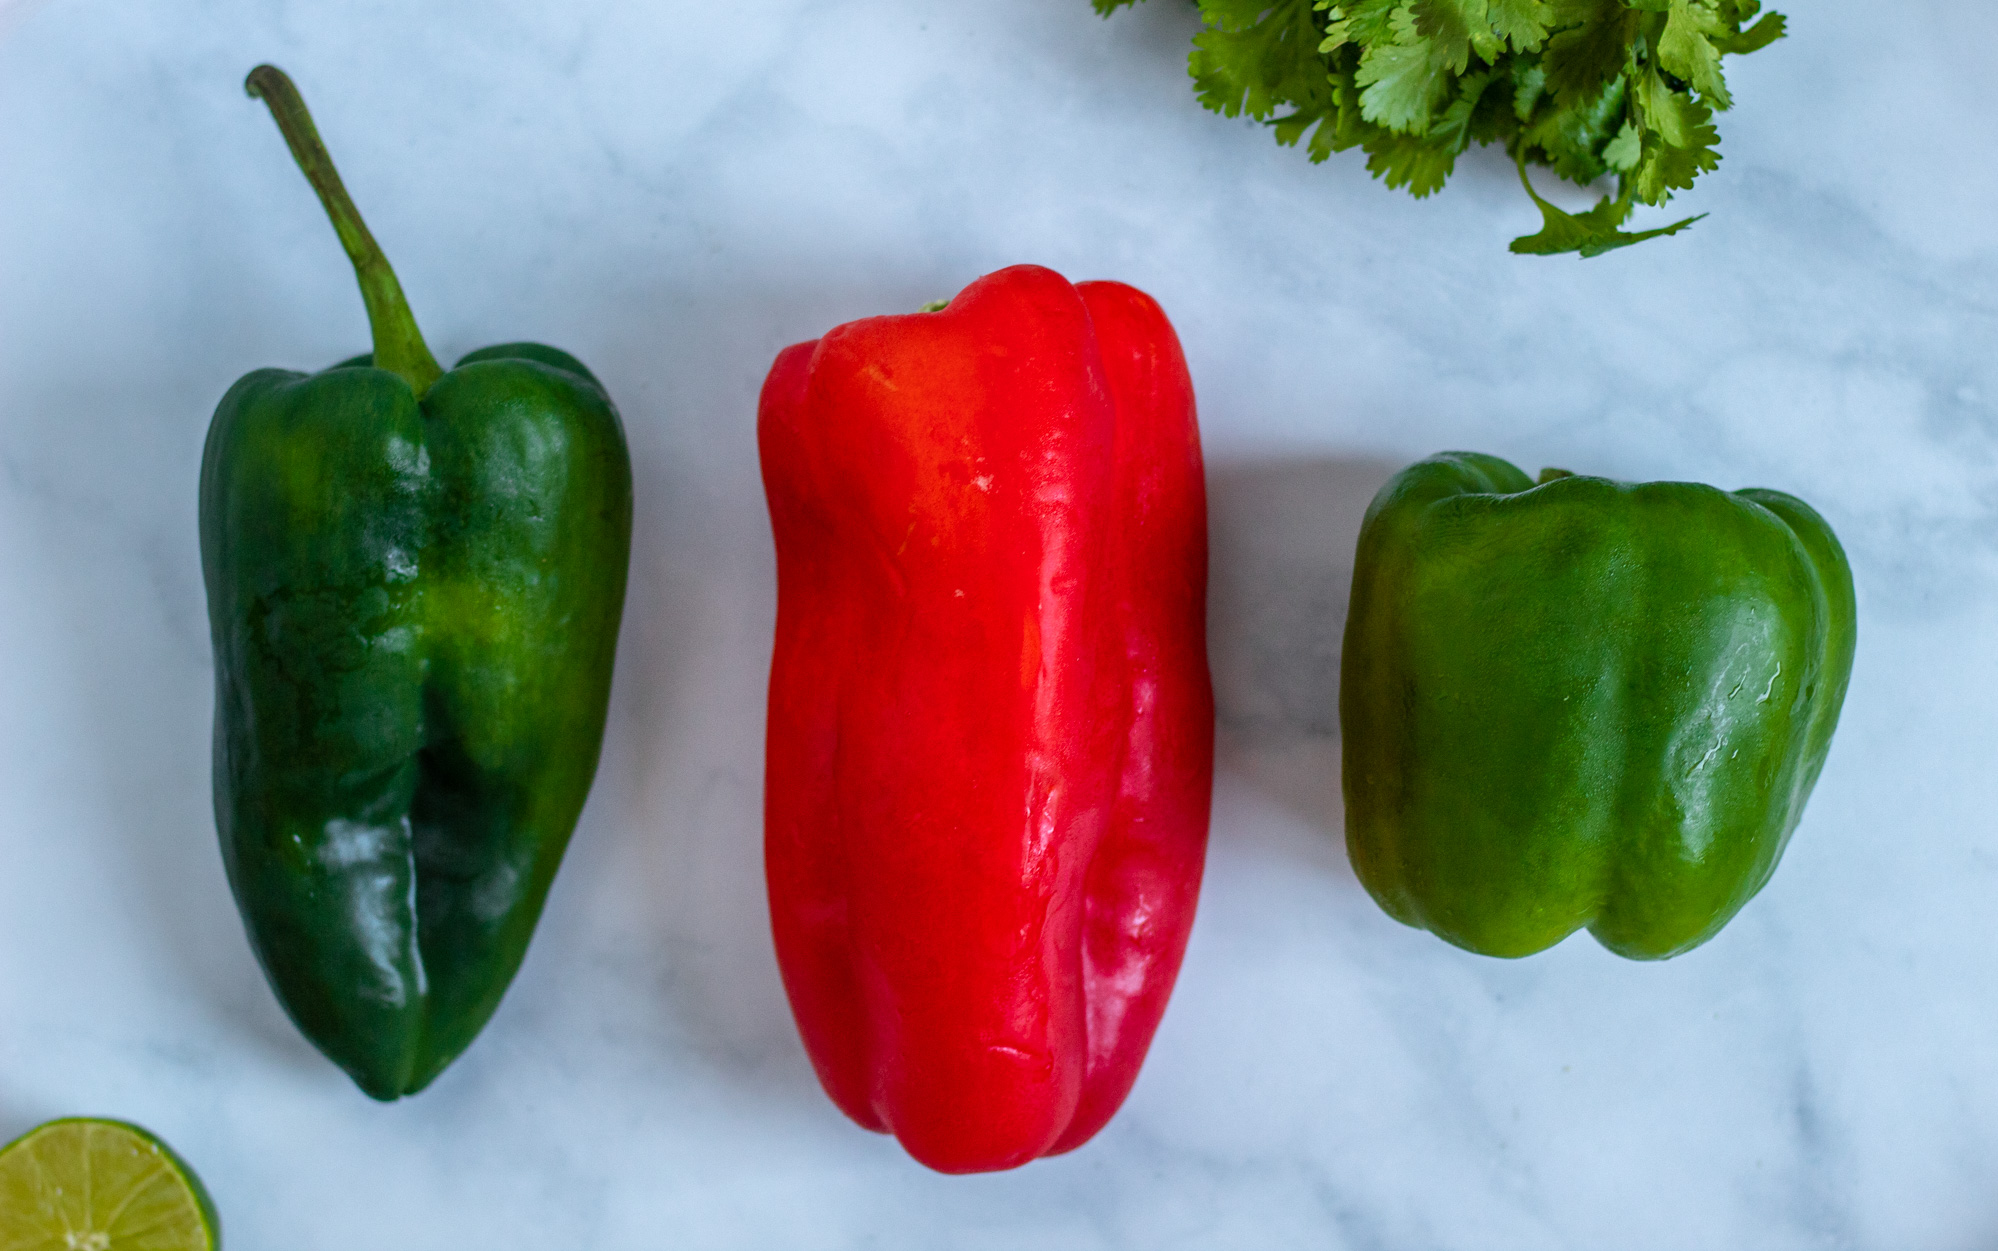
[991, 733]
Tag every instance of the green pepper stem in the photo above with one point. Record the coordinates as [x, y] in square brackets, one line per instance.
[399, 346]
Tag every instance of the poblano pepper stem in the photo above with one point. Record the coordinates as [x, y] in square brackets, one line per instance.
[399, 345]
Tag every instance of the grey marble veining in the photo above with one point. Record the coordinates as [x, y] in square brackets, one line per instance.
[673, 192]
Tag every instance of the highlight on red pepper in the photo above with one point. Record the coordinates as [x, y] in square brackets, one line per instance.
[991, 728]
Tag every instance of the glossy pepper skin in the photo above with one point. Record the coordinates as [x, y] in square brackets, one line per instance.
[990, 746]
[1584, 702]
[414, 585]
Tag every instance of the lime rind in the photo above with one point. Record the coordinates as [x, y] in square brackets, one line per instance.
[85, 1184]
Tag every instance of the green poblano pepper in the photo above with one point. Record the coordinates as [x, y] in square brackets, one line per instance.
[1584, 702]
[414, 584]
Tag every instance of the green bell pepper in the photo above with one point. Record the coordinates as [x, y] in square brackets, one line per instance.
[1584, 703]
[414, 584]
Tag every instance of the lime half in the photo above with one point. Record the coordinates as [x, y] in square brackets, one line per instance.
[86, 1185]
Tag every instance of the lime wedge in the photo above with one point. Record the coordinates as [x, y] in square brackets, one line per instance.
[87, 1185]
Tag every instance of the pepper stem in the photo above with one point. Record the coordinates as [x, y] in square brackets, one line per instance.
[399, 346]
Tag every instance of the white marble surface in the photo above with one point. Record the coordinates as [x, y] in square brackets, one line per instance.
[675, 190]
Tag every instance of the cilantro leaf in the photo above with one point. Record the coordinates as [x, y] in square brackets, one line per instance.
[1678, 119]
[1367, 22]
[1456, 28]
[1755, 38]
[1588, 234]
[1665, 168]
[1589, 54]
[1344, 127]
[1685, 53]
[1404, 84]
[1412, 161]
[1623, 151]
[1572, 141]
[1522, 23]
[1254, 58]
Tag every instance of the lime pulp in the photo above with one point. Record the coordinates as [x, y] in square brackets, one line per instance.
[91, 1185]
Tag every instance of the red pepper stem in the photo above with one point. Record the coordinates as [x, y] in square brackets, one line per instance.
[399, 346]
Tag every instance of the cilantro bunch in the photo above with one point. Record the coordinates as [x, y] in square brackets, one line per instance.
[1586, 88]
